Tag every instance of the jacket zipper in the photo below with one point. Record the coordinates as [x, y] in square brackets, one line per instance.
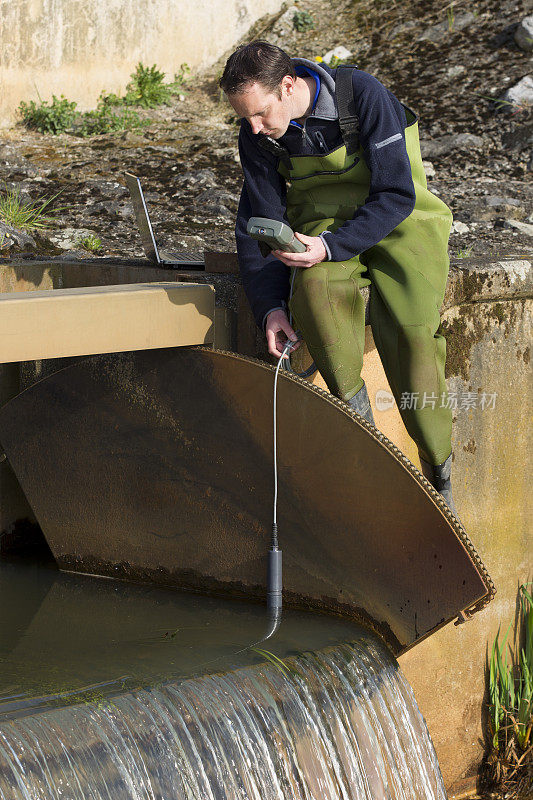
[306, 137]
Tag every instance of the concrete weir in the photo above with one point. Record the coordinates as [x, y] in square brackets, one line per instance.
[486, 317]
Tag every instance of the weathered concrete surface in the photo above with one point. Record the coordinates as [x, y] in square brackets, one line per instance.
[81, 49]
[489, 340]
[104, 319]
[487, 318]
[490, 353]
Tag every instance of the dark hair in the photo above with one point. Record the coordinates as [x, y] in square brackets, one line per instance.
[259, 62]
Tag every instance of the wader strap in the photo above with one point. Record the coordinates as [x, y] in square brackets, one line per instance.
[270, 144]
[348, 119]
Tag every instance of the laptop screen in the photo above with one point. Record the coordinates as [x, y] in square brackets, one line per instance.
[143, 220]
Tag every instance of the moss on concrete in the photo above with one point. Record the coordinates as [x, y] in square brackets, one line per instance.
[498, 312]
[471, 323]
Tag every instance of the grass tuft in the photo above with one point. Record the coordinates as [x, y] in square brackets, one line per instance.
[465, 252]
[24, 214]
[510, 674]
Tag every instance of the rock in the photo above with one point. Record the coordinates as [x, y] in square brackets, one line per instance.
[225, 153]
[24, 168]
[217, 210]
[459, 227]
[444, 145]
[454, 72]
[69, 238]
[284, 27]
[520, 138]
[521, 93]
[20, 189]
[153, 197]
[160, 148]
[75, 253]
[455, 23]
[523, 227]
[340, 53]
[216, 197]
[111, 209]
[15, 239]
[202, 178]
[402, 28]
[523, 35]
[496, 201]
[500, 207]
[429, 169]
[106, 188]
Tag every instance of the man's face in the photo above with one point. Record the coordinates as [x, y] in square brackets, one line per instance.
[266, 112]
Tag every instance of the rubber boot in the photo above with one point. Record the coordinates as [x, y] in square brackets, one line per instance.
[440, 477]
[360, 403]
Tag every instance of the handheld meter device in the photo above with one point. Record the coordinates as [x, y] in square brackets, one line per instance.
[277, 235]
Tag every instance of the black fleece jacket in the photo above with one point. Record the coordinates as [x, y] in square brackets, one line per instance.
[391, 196]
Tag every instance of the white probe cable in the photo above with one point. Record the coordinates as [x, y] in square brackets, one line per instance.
[274, 576]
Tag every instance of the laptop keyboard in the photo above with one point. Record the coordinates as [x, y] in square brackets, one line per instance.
[186, 257]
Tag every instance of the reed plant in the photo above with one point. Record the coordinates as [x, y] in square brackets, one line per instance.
[509, 767]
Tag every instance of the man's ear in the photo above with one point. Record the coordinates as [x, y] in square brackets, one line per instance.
[287, 86]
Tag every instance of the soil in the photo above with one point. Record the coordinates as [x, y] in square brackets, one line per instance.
[441, 59]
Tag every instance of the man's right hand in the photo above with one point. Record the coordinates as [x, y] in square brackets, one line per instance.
[278, 330]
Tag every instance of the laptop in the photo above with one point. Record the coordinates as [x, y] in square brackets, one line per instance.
[162, 257]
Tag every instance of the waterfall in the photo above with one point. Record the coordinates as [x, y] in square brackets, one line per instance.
[334, 724]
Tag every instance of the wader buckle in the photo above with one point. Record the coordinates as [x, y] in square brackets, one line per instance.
[270, 144]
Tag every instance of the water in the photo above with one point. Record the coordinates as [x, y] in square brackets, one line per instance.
[116, 692]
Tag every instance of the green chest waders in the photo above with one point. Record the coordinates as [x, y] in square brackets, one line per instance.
[408, 271]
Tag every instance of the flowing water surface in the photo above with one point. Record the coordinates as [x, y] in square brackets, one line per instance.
[110, 691]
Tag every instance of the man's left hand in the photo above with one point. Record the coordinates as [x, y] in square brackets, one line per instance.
[315, 253]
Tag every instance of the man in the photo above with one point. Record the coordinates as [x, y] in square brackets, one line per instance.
[336, 155]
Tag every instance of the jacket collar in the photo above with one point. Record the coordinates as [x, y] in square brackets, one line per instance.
[326, 107]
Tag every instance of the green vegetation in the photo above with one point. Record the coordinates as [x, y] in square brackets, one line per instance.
[90, 243]
[146, 89]
[61, 116]
[303, 21]
[500, 103]
[54, 117]
[511, 705]
[104, 120]
[335, 61]
[285, 668]
[450, 16]
[466, 253]
[24, 214]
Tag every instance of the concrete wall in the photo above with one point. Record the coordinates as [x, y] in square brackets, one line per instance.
[78, 48]
[489, 353]
[487, 320]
